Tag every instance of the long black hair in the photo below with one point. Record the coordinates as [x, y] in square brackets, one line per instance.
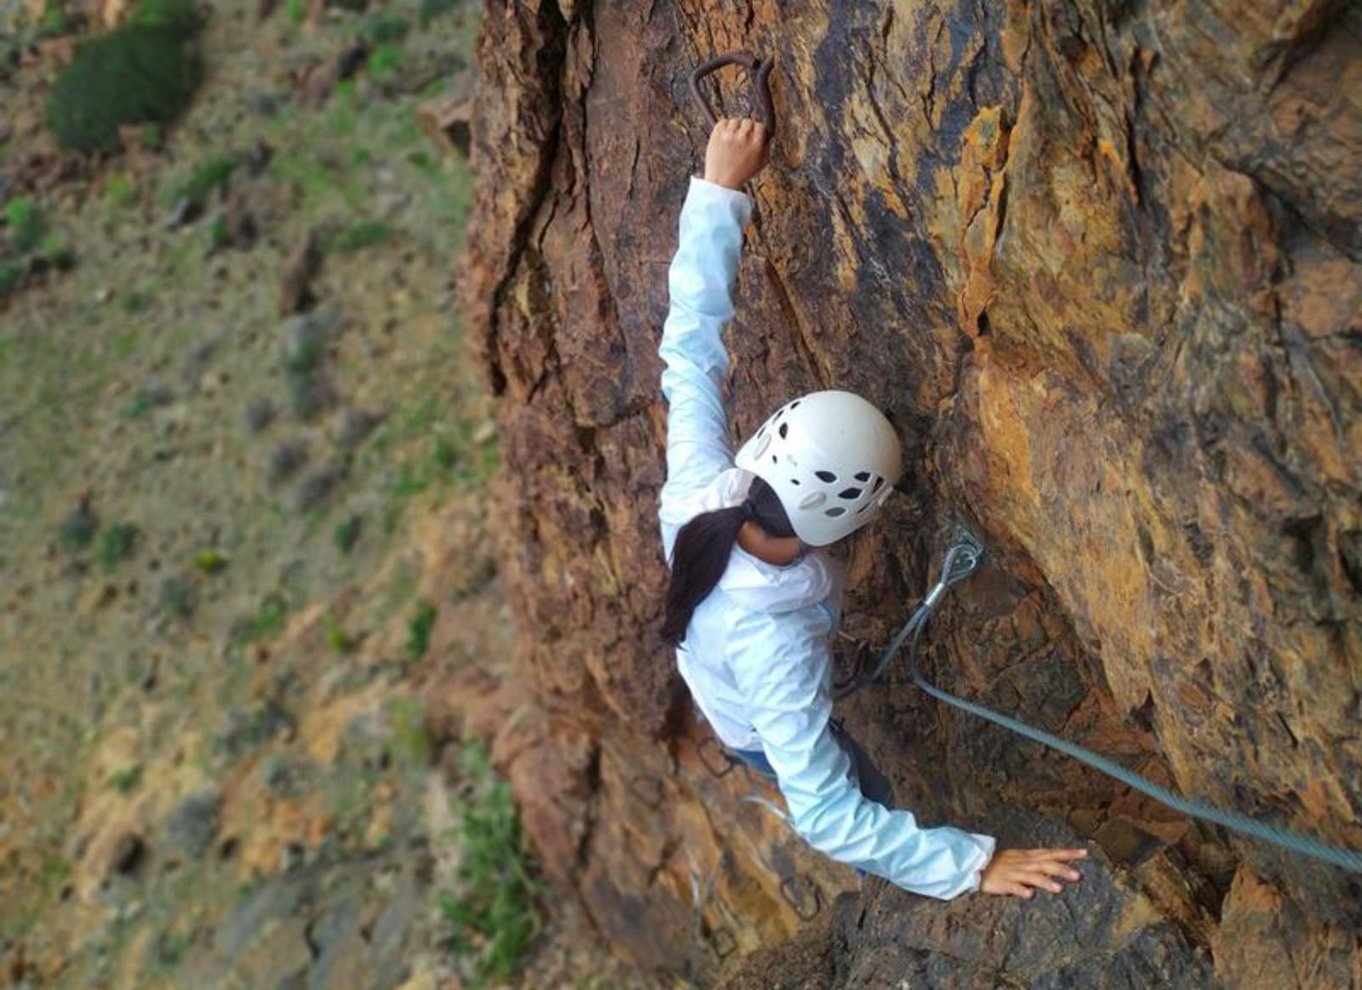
[703, 547]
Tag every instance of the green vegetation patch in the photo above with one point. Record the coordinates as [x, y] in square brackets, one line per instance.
[337, 639]
[428, 10]
[124, 780]
[11, 273]
[120, 191]
[359, 236]
[410, 737]
[385, 60]
[209, 560]
[248, 729]
[493, 912]
[116, 544]
[266, 622]
[145, 71]
[179, 16]
[169, 950]
[385, 29]
[178, 596]
[25, 223]
[346, 533]
[209, 177]
[78, 529]
[418, 630]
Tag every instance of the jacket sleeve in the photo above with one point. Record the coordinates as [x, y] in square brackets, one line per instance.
[781, 665]
[700, 282]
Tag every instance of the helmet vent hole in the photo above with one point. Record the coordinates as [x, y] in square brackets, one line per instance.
[863, 476]
[835, 511]
[849, 493]
[784, 430]
[879, 482]
[774, 459]
[794, 481]
[827, 476]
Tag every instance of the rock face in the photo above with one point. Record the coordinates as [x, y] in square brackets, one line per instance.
[1102, 263]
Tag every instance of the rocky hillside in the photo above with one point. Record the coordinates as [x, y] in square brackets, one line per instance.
[1101, 263]
[250, 627]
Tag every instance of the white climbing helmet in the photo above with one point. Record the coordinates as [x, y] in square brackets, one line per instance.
[832, 459]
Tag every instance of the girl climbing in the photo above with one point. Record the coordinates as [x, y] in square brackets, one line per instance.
[753, 600]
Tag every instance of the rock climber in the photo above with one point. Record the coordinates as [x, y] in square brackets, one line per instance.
[753, 598]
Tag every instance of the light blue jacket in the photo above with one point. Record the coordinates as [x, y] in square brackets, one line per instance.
[756, 654]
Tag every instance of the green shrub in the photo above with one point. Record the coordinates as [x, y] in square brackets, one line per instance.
[444, 452]
[218, 234]
[179, 16]
[147, 398]
[126, 779]
[54, 872]
[120, 191]
[11, 272]
[384, 29]
[385, 59]
[346, 533]
[133, 301]
[295, 11]
[494, 913]
[169, 950]
[336, 636]
[411, 739]
[116, 544]
[209, 560]
[269, 620]
[248, 729]
[53, 22]
[143, 72]
[58, 255]
[208, 177]
[418, 630]
[360, 235]
[409, 481]
[142, 403]
[25, 223]
[78, 528]
[431, 9]
[178, 596]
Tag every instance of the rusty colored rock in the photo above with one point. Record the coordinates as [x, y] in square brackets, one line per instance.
[1100, 263]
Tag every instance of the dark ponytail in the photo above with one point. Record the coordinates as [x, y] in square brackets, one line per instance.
[703, 547]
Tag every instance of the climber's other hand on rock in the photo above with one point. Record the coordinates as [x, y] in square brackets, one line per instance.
[1015, 872]
[736, 151]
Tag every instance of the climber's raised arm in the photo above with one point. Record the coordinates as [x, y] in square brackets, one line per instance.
[700, 282]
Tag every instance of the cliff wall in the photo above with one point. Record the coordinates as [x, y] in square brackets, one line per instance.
[1099, 261]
